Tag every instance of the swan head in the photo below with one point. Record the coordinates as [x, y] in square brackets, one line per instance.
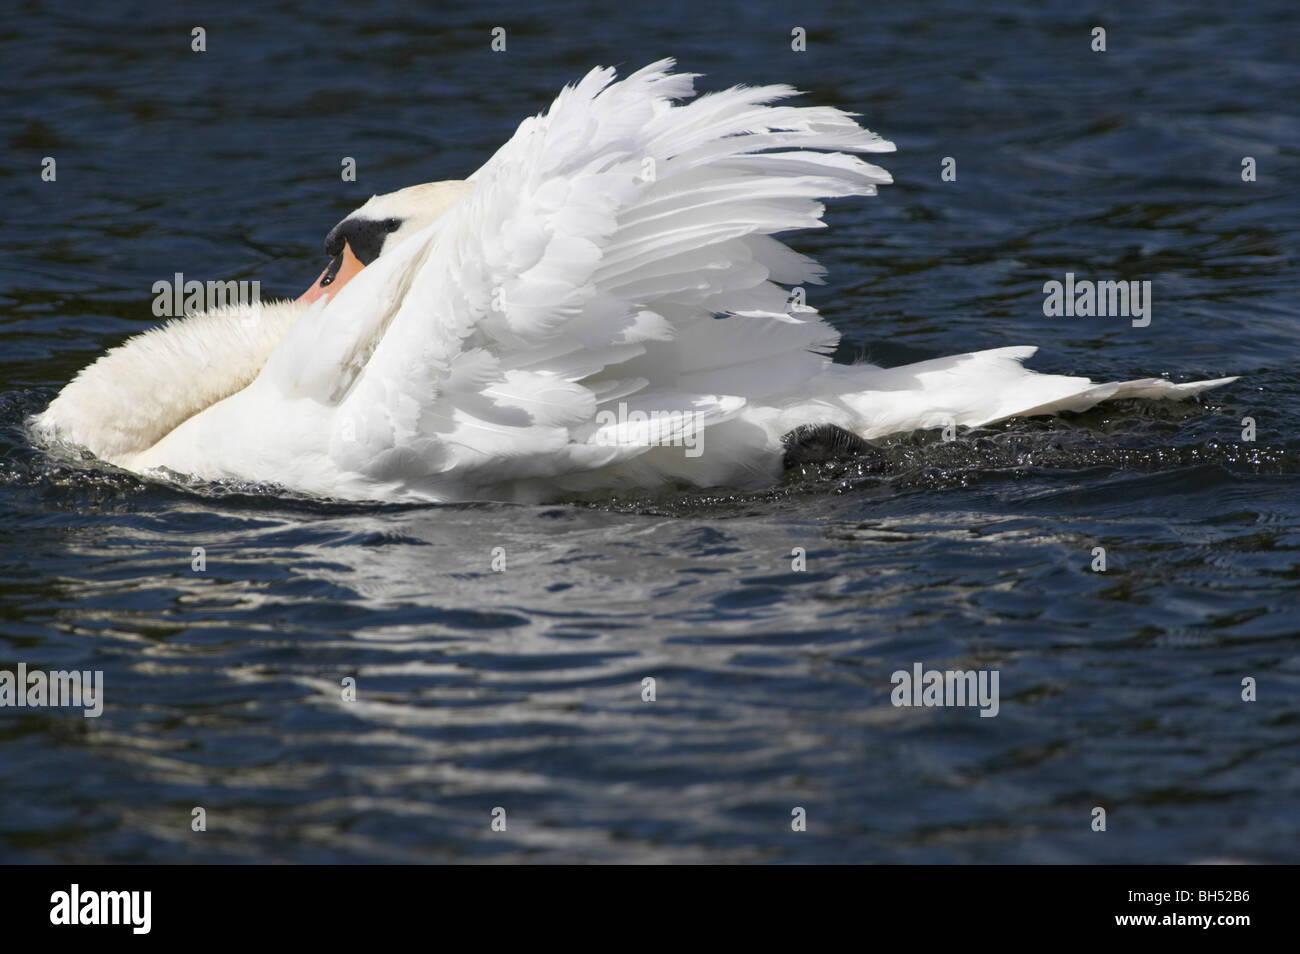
[137, 393]
[382, 223]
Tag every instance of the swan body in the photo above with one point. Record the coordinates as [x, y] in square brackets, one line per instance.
[602, 306]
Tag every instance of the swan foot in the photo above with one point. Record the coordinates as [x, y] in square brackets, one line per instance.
[819, 443]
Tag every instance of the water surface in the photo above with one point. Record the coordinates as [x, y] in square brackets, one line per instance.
[523, 689]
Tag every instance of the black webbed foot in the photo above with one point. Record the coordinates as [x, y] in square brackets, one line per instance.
[819, 443]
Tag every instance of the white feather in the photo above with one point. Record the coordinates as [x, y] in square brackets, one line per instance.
[597, 303]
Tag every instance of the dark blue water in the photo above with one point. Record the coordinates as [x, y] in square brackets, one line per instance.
[522, 689]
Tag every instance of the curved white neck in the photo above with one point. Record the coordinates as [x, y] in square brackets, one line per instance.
[139, 392]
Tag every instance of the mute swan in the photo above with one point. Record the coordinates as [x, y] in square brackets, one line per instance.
[599, 307]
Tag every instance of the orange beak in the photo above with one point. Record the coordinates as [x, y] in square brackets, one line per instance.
[341, 270]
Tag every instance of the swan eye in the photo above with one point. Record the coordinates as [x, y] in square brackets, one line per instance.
[366, 236]
[332, 270]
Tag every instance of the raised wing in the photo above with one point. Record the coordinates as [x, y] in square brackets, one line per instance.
[533, 329]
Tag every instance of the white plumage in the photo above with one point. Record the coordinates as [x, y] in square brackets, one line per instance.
[550, 326]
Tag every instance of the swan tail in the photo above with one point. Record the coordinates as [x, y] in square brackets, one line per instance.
[967, 390]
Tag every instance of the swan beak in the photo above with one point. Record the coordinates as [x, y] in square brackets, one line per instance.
[341, 270]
